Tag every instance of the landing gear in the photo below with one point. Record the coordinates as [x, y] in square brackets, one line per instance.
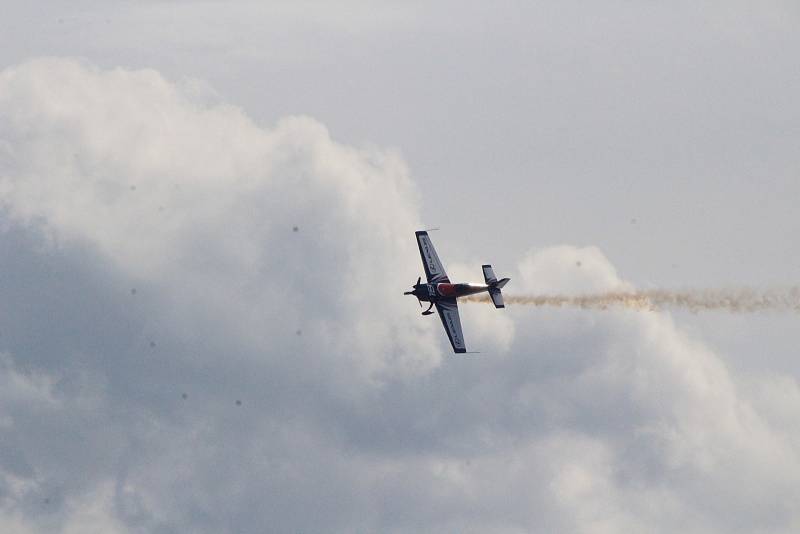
[428, 311]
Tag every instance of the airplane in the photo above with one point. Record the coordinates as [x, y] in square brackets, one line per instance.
[443, 294]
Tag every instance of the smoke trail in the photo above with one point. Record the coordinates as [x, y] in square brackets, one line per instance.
[741, 300]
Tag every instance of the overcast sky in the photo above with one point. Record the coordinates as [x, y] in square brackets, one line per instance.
[206, 226]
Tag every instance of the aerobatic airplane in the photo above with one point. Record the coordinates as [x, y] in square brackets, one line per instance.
[443, 294]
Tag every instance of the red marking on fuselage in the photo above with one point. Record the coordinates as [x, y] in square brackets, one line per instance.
[446, 290]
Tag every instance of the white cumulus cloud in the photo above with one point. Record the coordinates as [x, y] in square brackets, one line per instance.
[205, 331]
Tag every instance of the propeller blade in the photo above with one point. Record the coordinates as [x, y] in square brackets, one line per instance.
[418, 280]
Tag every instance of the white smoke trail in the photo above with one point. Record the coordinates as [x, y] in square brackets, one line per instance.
[740, 300]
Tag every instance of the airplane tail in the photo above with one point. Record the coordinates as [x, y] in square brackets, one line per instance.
[495, 286]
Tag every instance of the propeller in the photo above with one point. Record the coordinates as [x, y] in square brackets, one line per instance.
[412, 293]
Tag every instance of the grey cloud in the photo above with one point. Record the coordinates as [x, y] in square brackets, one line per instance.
[572, 421]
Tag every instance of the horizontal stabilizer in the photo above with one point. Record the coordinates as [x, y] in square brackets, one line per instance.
[497, 298]
[488, 274]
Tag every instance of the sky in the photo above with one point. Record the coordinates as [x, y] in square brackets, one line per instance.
[206, 226]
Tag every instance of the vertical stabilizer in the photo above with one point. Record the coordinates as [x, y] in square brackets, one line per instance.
[495, 286]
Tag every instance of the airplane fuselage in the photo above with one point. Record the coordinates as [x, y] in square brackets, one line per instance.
[440, 292]
[434, 292]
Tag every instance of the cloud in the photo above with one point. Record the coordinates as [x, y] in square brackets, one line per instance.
[205, 331]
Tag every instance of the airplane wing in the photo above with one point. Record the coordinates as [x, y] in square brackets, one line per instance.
[448, 311]
[434, 270]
